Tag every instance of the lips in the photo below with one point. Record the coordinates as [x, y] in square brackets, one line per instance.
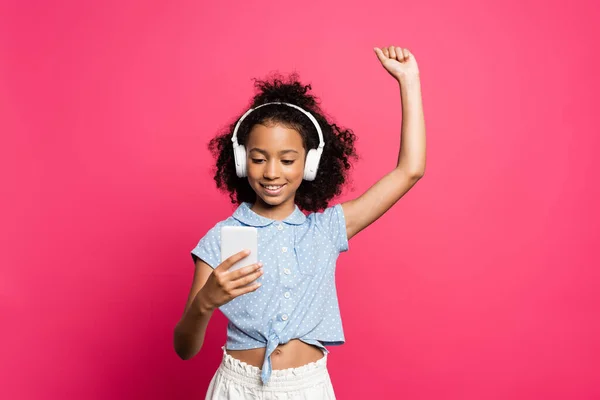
[273, 189]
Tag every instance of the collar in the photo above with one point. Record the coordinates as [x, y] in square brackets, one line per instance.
[248, 217]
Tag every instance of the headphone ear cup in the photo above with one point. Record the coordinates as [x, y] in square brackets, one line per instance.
[239, 154]
[312, 165]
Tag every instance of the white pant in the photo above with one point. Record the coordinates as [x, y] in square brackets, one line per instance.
[236, 380]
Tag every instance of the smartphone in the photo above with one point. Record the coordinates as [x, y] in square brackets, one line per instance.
[237, 238]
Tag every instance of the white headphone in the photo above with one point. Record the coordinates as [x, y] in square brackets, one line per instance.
[312, 158]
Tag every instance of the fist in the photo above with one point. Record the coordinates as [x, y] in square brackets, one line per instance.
[399, 62]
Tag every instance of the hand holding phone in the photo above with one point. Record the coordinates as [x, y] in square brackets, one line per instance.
[238, 271]
[224, 285]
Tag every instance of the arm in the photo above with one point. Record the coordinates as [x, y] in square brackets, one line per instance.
[190, 330]
[211, 289]
[367, 208]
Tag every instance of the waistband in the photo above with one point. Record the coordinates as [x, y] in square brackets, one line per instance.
[280, 379]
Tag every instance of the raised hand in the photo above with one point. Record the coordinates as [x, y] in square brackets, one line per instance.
[399, 62]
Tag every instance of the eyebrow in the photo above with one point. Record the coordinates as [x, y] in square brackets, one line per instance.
[265, 153]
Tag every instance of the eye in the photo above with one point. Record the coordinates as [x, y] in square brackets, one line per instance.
[257, 160]
[288, 162]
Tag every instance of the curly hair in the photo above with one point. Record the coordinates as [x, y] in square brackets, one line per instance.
[335, 160]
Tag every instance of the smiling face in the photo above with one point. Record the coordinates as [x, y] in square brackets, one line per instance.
[275, 160]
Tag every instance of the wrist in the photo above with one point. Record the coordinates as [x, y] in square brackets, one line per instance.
[413, 81]
[410, 89]
[202, 305]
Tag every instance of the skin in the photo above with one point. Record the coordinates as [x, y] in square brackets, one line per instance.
[276, 156]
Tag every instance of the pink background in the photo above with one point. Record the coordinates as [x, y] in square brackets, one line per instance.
[482, 283]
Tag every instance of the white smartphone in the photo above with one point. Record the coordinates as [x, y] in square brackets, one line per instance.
[237, 238]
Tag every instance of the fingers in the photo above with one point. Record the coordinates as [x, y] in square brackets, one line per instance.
[246, 289]
[242, 272]
[393, 52]
[225, 265]
[406, 54]
[230, 284]
[245, 280]
[380, 54]
[400, 53]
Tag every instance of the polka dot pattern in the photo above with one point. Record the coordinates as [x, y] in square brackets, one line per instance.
[298, 297]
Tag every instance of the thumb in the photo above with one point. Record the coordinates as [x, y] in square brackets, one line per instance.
[380, 54]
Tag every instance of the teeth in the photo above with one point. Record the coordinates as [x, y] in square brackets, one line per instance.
[272, 187]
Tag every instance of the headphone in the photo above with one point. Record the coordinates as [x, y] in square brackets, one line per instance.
[312, 158]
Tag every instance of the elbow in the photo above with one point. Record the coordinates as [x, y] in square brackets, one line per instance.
[412, 172]
[180, 349]
[184, 352]
[183, 346]
[416, 174]
[183, 356]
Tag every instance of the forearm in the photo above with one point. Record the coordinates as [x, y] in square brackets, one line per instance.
[411, 157]
[191, 329]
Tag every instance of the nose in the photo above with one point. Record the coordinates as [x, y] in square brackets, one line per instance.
[271, 170]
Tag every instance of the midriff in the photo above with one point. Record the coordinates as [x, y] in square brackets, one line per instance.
[293, 354]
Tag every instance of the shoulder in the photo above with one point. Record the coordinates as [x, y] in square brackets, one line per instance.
[208, 248]
[332, 223]
[332, 212]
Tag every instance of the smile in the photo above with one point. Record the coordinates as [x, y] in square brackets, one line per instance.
[273, 189]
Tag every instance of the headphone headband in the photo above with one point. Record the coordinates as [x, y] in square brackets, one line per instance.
[309, 115]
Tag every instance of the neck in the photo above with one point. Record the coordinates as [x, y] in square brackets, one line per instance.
[277, 212]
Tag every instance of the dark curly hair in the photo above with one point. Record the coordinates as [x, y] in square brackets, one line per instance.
[335, 160]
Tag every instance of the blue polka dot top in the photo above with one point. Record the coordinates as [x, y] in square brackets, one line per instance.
[297, 298]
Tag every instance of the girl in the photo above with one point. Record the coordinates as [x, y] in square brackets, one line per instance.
[280, 156]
